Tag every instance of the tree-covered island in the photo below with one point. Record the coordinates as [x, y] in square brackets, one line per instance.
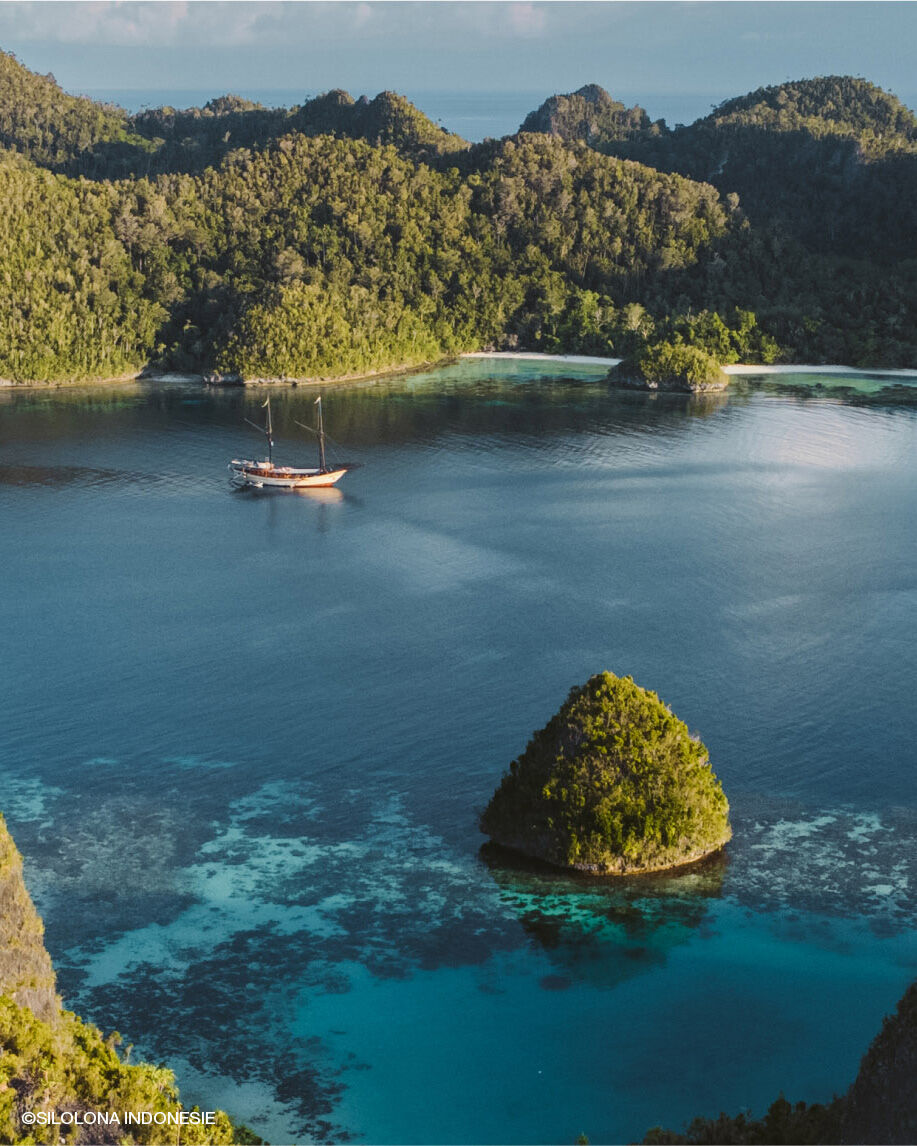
[614, 783]
[670, 366]
[344, 237]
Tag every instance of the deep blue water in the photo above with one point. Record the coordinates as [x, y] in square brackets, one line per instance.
[245, 740]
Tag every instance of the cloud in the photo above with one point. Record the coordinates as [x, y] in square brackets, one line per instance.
[527, 20]
[132, 23]
[265, 23]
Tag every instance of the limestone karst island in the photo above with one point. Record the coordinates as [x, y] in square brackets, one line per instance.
[619, 378]
[613, 783]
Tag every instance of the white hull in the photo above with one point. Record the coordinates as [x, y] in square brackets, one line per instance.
[264, 475]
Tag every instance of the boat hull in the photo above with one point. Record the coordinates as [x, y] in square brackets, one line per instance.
[262, 475]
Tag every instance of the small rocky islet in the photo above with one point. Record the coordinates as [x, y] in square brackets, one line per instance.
[614, 784]
[670, 366]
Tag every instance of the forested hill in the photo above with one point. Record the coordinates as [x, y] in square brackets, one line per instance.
[591, 116]
[77, 136]
[199, 137]
[830, 105]
[832, 161]
[322, 256]
[840, 106]
[348, 236]
[42, 122]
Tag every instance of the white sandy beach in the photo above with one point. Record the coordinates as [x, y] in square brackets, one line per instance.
[584, 359]
[806, 369]
[737, 369]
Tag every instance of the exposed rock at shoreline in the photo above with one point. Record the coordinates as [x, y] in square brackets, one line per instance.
[614, 784]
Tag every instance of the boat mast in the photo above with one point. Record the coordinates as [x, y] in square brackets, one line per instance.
[267, 430]
[321, 434]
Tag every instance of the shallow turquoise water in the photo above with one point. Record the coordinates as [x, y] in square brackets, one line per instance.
[856, 385]
[246, 738]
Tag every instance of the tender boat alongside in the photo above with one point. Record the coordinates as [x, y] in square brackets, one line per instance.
[266, 474]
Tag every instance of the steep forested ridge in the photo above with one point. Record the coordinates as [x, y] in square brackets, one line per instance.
[832, 160]
[346, 236]
[591, 116]
[78, 136]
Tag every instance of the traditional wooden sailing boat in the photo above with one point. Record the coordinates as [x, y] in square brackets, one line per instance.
[267, 474]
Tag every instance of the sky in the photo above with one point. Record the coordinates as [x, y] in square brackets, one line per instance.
[712, 50]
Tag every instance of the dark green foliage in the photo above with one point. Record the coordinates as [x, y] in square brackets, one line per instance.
[784, 1124]
[344, 237]
[837, 105]
[69, 1066]
[613, 783]
[671, 366]
[57, 130]
[394, 261]
[831, 160]
[737, 338]
[196, 138]
[78, 136]
[71, 305]
[303, 330]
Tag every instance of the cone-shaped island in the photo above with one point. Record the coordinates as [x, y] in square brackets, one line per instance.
[614, 783]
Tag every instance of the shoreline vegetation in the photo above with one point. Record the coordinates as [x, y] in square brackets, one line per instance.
[346, 238]
[736, 370]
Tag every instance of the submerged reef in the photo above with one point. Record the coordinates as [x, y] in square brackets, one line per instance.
[613, 784]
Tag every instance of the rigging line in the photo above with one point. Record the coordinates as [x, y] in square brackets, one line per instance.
[328, 437]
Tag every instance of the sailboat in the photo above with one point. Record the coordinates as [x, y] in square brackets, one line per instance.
[267, 474]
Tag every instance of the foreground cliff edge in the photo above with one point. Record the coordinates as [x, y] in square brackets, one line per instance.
[60, 1079]
[880, 1106]
[614, 784]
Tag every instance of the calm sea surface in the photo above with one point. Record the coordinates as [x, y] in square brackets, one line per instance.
[245, 739]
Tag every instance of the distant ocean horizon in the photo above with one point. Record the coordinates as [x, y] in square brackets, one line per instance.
[474, 115]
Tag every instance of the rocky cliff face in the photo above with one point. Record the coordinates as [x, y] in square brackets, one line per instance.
[881, 1106]
[26, 973]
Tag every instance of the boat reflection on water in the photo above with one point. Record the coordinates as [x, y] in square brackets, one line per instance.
[322, 495]
[605, 930]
